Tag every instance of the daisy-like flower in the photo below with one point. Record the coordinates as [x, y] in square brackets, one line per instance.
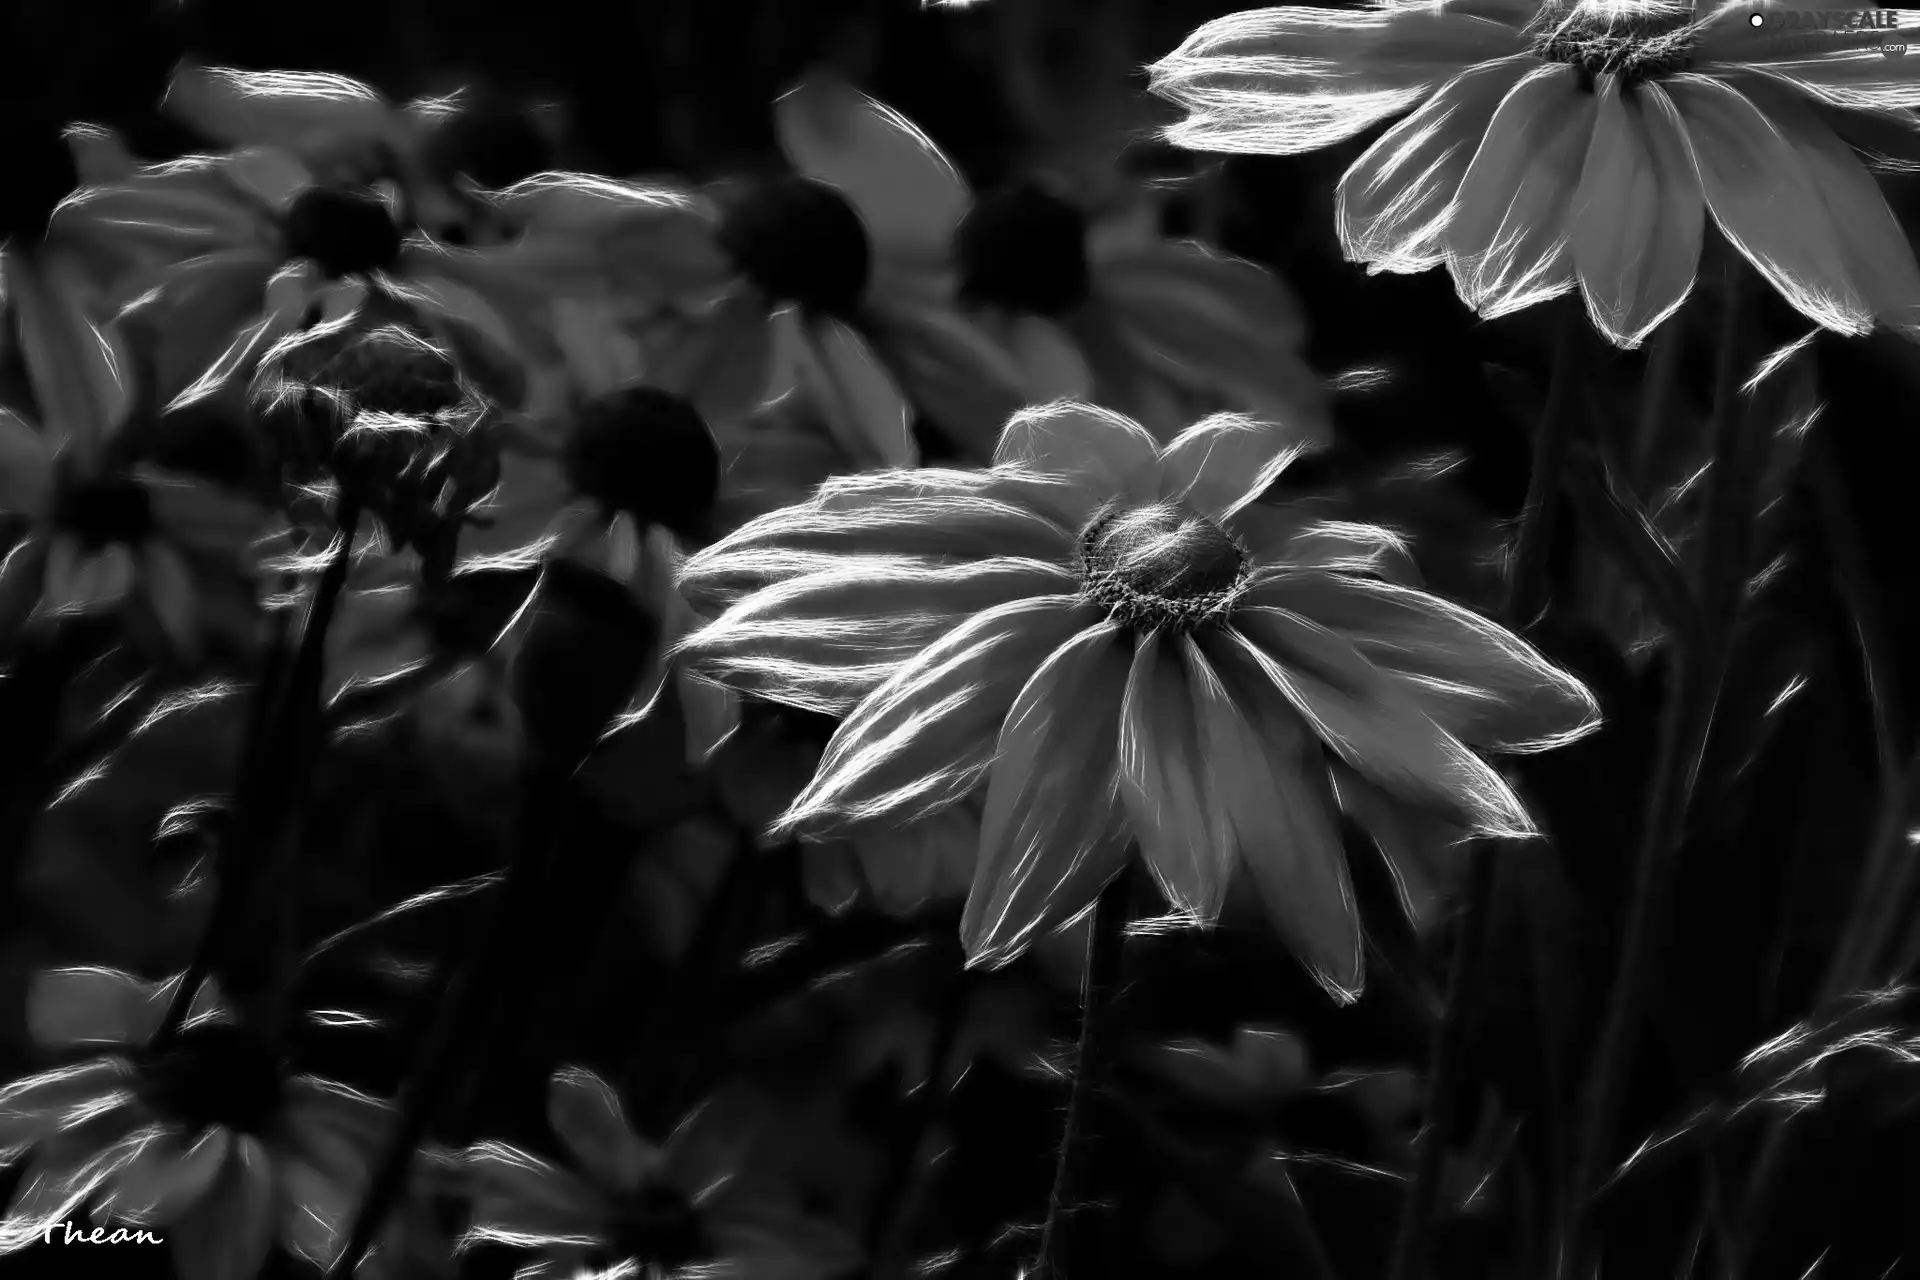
[1160, 330]
[102, 528]
[1125, 647]
[834, 275]
[210, 1139]
[628, 1208]
[1559, 145]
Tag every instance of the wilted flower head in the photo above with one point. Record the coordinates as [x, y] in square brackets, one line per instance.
[210, 1134]
[1582, 144]
[1124, 646]
[626, 1207]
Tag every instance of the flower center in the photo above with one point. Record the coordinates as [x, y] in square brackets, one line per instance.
[104, 510]
[646, 452]
[40, 174]
[1025, 250]
[391, 370]
[800, 241]
[1637, 44]
[345, 232]
[214, 1074]
[657, 1225]
[1160, 566]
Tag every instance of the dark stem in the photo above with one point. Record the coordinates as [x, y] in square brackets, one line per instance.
[1738, 449]
[1525, 599]
[895, 1198]
[1063, 1232]
[282, 744]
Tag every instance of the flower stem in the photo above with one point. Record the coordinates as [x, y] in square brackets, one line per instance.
[1700, 667]
[282, 744]
[1525, 599]
[899, 1190]
[1061, 1235]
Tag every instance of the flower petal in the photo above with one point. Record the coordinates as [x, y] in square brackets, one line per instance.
[1223, 463]
[586, 1116]
[26, 467]
[1051, 364]
[1507, 243]
[1104, 455]
[197, 311]
[1289, 80]
[77, 369]
[861, 403]
[91, 1005]
[1851, 72]
[523, 1201]
[908, 193]
[1164, 779]
[1271, 777]
[1053, 832]
[928, 735]
[964, 383]
[42, 1107]
[722, 362]
[290, 109]
[1421, 853]
[1638, 216]
[165, 1174]
[1392, 206]
[1374, 725]
[1767, 202]
[826, 640]
[228, 1234]
[1473, 677]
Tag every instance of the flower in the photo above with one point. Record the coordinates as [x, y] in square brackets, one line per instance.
[1153, 328]
[1124, 646]
[102, 527]
[628, 1208]
[834, 275]
[209, 1135]
[1559, 145]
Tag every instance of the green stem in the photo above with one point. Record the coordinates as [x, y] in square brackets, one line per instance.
[1526, 596]
[1738, 449]
[1062, 1236]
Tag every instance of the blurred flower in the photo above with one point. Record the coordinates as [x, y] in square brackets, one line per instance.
[899, 869]
[1124, 646]
[209, 1135]
[102, 528]
[628, 1208]
[1163, 331]
[1561, 144]
[774, 457]
[1262, 1065]
[834, 276]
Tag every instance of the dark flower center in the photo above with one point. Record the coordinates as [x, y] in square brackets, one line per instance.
[646, 452]
[392, 370]
[214, 1074]
[1636, 46]
[40, 174]
[1160, 566]
[346, 232]
[1024, 249]
[800, 241]
[105, 510]
[659, 1226]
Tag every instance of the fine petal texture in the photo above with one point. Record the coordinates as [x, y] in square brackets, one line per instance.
[1222, 463]
[1767, 202]
[862, 404]
[1284, 81]
[927, 736]
[1053, 831]
[1271, 774]
[68, 1008]
[1106, 454]
[1373, 725]
[825, 640]
[229, 1232]
[521, 1200]
[908, 193]
[1392, 206]
[1166, 776]
[1474, 678]
[1638, 217]
[586, 1115]
[1507, 244]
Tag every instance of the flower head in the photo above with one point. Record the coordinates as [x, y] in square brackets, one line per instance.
[1559, 145]
[625, 1207]
[210, 1133]
[1124, 645]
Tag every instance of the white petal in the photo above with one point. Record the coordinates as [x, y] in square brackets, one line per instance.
[1105, 454]
[1220, 464]
[862, 404]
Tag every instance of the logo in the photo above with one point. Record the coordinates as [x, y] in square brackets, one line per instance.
[1789, 31]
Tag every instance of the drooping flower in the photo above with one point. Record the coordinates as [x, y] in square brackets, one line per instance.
[1164, 331]
[103, 528]
[209, 1137]
[688, 1208]
[834, 275]
[1562, 145]
[1125, 647]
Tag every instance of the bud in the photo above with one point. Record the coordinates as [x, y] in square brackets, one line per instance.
[392, 369]
[303, 422]
[647, 453]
